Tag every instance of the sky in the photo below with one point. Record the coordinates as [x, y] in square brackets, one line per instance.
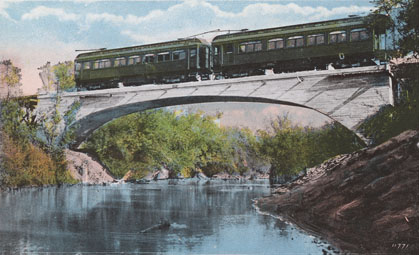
[255, 116]
[34, 32]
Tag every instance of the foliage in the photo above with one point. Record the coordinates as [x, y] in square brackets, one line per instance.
[12, 117]
[150, 140]
[402, 20]
[292, 148]
[11, 77]
[64, 75]
[391, 121]
[58, 77]
[26, 160]
[26, 164]
[29, 141]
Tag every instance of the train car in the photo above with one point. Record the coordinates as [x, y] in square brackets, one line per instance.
[343, 42]
[167, 62]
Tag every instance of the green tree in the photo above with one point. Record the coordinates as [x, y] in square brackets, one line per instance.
[150, 140]
[64, 75]
[10, 77]
[402, 20]
[291, 148]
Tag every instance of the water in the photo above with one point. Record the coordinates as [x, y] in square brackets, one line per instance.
[212, 219]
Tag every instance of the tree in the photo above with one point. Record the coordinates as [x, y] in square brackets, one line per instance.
[10, 77]
[59, 76]
[403, 19]
[64, 75]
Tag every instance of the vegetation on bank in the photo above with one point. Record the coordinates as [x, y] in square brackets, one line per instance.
[292, 148]
[148, 141]
[28, 157]
[393, 120]
[32, 147]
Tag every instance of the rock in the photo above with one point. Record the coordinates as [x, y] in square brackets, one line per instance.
[201, 176]
[85, 169]
[163, 174]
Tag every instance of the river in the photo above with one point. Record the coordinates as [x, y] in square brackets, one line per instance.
[212, 218]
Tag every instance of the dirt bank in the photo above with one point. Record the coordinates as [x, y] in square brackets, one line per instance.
[83, 168]
[366, 202]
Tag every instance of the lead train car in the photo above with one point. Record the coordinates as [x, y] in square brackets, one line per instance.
[343, 42]
[167, 62]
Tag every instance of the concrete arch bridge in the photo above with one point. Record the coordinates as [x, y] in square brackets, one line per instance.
[349, 96]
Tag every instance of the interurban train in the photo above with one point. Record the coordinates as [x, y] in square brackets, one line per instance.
[339, 43]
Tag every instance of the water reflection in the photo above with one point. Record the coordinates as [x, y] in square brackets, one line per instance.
[212, 218]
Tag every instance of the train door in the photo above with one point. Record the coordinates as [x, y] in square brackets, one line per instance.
[228, 54]
[193, 58]
[217, 59]
[204, 58]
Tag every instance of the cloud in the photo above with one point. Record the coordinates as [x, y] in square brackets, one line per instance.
[43, 11]
[3, 12]
[193, 16]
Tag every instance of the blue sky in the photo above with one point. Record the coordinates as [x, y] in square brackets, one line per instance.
[34, 32]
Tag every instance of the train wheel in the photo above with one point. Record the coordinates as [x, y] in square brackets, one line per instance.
[198, 77]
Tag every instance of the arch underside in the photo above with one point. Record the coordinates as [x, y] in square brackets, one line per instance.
[88, 124]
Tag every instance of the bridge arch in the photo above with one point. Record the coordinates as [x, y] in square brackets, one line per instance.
[348, 96]
[89, 123]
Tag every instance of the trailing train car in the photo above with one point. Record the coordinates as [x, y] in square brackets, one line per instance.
[167, 62]
[343, 42]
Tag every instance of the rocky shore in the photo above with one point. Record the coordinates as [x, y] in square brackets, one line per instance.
[85, 169]
[366, 202]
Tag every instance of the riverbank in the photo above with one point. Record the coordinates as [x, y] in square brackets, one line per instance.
[85, 169]
[366, 201]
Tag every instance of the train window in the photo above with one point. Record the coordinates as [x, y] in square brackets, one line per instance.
[162, 57]
[320, 39]
[337, 37]
[149, 58]
[134, 60]
[193, 53]
[229, 48]
[86, 65]
[250, 46]
[216, 50]
[258, 46]
[106, 63]
[179, 55]
[315, 39]
[120, 62]
[277, 43]
[364, 35]
[295, 41]
[359, 34]
[242, 48]
[77, 66]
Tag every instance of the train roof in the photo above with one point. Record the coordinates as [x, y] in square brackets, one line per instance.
[356, 20]
[134, 49]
